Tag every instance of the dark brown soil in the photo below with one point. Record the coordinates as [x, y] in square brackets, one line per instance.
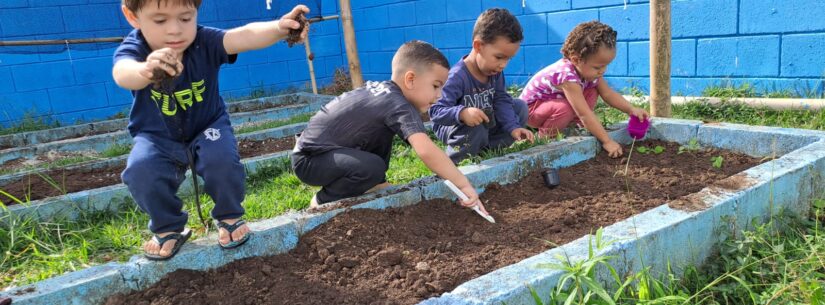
[64, 181]
[249, 148]
[237, 107]
[402, 256]
[294, 35]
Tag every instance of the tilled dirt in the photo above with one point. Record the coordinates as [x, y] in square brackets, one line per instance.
[405, 255]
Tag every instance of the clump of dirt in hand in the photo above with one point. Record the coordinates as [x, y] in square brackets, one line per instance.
[162, 81]
[294, 35]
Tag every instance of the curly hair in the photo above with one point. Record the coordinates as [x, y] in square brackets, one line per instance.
[497, 22]
[586, 38]
[136, 5]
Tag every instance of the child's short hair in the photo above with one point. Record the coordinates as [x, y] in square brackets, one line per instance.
[416, 54]
[497, 22]
[586, 38]
[136, 5]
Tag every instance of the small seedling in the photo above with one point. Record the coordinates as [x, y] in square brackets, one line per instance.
[658, 149]
[692, 146]
[717, 161]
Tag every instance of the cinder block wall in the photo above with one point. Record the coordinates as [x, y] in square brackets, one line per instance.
[771, 44]
[77, 84]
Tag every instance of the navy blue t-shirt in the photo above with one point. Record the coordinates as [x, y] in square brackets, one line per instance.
[198, 103]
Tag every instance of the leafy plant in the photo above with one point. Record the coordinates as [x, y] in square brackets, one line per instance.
[692, 146]
[717, 161]
[658, 149]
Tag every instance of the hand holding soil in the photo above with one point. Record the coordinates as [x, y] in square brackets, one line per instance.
[161, 64]
[296, 23]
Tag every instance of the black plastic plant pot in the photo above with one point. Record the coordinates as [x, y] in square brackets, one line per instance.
[551, 178]
[492, 116]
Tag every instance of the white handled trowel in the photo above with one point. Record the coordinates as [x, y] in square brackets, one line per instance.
[463, 197]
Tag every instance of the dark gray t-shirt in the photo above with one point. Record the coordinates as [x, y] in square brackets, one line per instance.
[366, 118]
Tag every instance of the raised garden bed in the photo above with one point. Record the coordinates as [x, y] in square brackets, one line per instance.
[405, 255]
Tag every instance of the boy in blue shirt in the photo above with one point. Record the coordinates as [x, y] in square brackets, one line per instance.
[191, 126]
[475, 111]
[346, 146]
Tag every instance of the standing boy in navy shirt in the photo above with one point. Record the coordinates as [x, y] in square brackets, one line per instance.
[475, 111]
[193, 125]
[346, 146]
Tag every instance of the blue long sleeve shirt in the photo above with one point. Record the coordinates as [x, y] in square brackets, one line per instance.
[463, 90]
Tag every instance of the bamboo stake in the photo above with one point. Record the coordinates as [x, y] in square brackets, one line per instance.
[660, 46]
[352, 48]
[310, 58]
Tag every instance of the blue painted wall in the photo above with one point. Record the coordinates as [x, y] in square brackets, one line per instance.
[772, 44]
[77, 84]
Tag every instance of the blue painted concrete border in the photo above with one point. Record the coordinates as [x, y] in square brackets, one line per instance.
[53, 134]
[113, 197]
[642, 238]
[101, 142]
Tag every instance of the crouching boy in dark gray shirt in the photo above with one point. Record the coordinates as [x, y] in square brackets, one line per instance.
[346, 146]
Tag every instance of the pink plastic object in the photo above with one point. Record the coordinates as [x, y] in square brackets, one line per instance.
[637, 128]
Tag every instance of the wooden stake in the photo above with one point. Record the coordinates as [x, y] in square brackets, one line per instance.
[352, 48]
[310, 58]
[660, 58]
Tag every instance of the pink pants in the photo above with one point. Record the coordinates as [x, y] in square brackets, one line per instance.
[552, 116]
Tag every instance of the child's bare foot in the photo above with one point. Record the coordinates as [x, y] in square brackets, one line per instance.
[165, 245]
[378, 187]
[230, 235]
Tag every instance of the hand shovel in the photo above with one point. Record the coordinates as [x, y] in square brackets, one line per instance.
[463, 197]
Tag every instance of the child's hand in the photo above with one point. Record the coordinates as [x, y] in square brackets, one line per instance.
[614, 150]
[288, 22]
[639, 113]
[165, 59]
[472, 116]
[522, 134]
[473, 199]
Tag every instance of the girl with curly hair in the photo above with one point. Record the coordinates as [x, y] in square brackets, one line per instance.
[566, 91]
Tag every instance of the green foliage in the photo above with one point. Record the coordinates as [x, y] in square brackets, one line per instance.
[717, 161]
[692, 146]
[658, 149]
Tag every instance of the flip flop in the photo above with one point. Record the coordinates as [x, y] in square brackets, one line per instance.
[231, 228]
[179, 238]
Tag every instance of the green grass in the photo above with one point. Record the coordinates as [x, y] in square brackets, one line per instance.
[730, 112]
[780, 262]
[29, 123]
[273, 124]
[728, 90]
[36, 251]
[116, 150]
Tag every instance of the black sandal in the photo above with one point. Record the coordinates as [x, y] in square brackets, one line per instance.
[231, 228]
[179, 238]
